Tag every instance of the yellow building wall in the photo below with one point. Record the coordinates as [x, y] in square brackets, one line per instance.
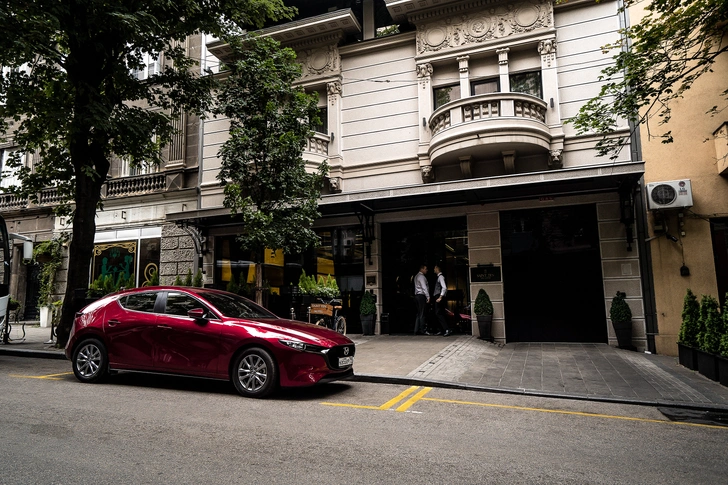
[692, 155]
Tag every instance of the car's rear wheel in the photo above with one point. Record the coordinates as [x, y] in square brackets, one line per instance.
[255, 373]
[340, 325]
[90, 361]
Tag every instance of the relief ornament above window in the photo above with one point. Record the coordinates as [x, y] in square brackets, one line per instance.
[478, 27]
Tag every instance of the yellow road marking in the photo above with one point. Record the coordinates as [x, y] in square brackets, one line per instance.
[50, 377]
[402, 395]
[409, 402]
[384, 407]
[572, 413]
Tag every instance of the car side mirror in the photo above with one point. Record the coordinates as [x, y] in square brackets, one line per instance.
[197, 313]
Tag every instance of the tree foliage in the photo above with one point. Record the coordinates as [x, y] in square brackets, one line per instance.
[263, 172]
[68, 93]
[659, 59]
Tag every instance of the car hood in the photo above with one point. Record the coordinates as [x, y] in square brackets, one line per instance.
[301, 330]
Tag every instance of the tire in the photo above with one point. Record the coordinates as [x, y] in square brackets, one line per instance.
[254, 373]
[340, 325]
[90, 361]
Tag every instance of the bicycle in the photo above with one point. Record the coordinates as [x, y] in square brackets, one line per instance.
[328, 312]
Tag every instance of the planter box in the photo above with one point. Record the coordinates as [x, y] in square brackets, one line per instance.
[623, 332]
[723, 370]
[687, 356]
[485, 323]
[708, 365]
[367, 324]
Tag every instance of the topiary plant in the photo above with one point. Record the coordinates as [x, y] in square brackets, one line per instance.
[197, 282]
[710, 324]
[178, 281]
[367, 306]
[483, 305]
[619, 311]
[188, 278]
[690, 327]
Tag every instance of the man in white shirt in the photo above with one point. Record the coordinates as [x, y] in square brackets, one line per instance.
[439, 296]
[422, 295]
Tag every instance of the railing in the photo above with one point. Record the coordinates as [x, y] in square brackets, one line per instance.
[318, 144]
[49, 196]
[488, 106]
[12, 201]
[136, 185]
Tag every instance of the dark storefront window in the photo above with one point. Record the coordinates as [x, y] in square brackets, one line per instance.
[719, 234]
[127, 258]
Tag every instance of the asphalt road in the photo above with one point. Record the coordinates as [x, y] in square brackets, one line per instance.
[139, 429]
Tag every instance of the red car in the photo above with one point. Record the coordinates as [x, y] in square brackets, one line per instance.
[204, 333]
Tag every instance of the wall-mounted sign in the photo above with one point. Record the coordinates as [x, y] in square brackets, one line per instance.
[485, 274]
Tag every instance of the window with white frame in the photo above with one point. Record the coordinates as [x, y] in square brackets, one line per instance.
[9, 176]
[129, 169]
[152, 66]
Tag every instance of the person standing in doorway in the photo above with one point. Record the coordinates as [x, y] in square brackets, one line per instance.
[422, 295]
[439, 296]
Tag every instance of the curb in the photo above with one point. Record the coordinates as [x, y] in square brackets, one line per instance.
[36, 354]
[413, 381]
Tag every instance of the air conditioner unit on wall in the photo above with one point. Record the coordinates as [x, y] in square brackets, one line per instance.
[673, 194]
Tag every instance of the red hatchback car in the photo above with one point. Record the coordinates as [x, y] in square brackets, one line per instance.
[204, 333]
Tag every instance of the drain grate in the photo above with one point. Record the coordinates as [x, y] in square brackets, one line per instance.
[719, 418]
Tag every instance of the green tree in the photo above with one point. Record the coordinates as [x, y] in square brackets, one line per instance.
[710, 324]
[690, 328]
[263, 173]
[659, 59]
[70, 95]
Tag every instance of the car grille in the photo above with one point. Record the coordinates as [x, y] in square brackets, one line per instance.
[332, 356]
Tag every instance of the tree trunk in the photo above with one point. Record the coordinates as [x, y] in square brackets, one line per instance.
[88, 195]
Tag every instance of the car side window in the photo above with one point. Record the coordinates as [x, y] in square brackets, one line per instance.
[180, 304]
[140, 302]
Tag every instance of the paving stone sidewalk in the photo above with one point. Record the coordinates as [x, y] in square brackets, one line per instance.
[583, 371]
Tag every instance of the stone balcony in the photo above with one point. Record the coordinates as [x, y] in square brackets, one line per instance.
[136, 185]
[489, 126]
[317, 148]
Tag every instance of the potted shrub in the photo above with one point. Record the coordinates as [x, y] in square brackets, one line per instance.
[367, 310]
[484, 314]
[621, 316]
[709, 338]
[13, 304]
[723, 359]
[687, 344]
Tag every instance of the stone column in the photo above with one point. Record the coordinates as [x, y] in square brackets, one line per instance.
[550, 86]
[177, 255]
[464, 76]
[425, 104]
[336, 159]
[505, 81]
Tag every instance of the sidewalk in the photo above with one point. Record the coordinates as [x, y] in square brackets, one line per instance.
[574, 371]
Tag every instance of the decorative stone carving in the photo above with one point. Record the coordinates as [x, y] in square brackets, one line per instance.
[547, 49]
[555, 159]
[495, 22]
[315, 62]
[503, 56]
[463, 64]
[424, 70]
[334, 90]
[335, 184]
[427, 174]
[509, 161]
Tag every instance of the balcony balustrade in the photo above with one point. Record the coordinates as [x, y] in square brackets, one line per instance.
[12, 201]
[485, 125]
[136, 185]
[317, 148]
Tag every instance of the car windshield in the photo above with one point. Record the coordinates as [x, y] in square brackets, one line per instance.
[235, 306]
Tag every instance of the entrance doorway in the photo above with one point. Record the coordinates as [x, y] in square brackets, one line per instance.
[406, 246]
[552, 275]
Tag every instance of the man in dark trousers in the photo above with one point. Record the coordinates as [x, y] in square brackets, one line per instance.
[422, 295]
[439, 296]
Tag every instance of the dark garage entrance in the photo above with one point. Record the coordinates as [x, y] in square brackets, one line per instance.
[552, 275]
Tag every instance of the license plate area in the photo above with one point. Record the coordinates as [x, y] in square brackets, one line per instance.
[346, 361]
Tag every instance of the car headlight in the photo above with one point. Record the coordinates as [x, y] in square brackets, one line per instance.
[304, 347]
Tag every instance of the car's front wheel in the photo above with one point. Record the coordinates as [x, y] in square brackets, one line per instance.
[90, 361]
[255, 373]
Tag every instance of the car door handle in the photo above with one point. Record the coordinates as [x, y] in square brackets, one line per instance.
[113, 323]
[166, 327]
